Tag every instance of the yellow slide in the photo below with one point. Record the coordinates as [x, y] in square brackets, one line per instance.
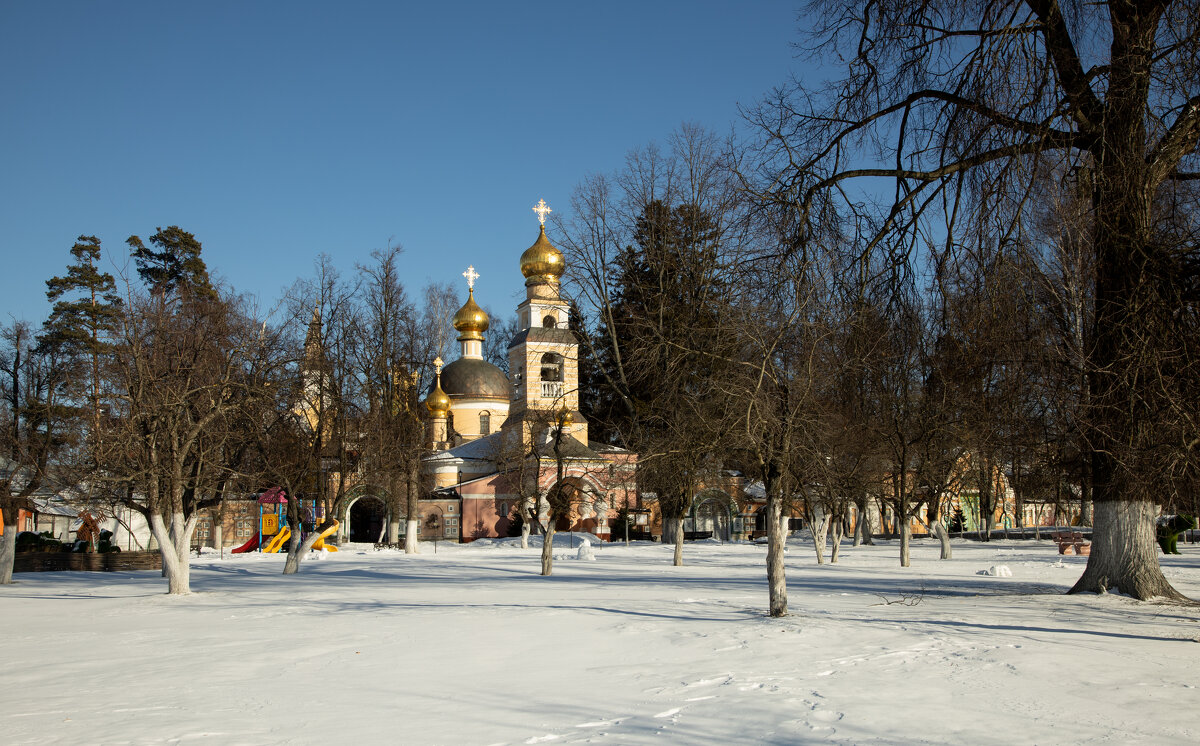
[320, 542]
[277, 541]
[280, 539]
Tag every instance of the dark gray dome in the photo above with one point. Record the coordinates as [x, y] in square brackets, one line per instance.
[472, 377]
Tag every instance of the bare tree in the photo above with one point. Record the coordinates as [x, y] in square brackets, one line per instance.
[966, 104]
[36, 424]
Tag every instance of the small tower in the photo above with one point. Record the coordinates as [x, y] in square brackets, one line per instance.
[478, 390]
[438, 405]
[543, 358]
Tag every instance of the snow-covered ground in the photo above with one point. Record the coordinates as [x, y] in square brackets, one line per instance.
[472, 646]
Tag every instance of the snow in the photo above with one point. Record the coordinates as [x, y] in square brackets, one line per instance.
[472, 646]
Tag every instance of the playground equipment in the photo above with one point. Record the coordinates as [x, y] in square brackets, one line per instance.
[273, 531]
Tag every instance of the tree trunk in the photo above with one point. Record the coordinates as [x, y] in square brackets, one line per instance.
[412, 510]
[776, 543]
[943, 537]
[548, 548]
[219, 537]
[819, 529]
[176, 565]
[678, 522]
[393, 530]
[1124, 555]
[8, 551]
[527, 515]
[905, 538]
[298, 550]
[412, 533]
[864, 524]
[837, 530]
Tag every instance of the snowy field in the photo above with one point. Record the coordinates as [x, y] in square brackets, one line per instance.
[471, 646]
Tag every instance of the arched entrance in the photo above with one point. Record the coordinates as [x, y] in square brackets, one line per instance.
[366, 519]
[711, 513]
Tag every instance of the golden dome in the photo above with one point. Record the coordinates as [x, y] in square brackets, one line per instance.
[542, 261]
[437, 402]
[471, 320]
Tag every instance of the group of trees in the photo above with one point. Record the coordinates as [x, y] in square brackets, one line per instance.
[973, 254]
[166, 393]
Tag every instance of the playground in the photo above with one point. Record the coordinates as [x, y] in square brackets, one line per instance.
[273, 532]
[471, 645]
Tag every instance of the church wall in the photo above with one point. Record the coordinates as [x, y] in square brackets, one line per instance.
[466, 416]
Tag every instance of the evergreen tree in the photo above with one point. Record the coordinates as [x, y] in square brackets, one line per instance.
[86, 309]
[175, 266]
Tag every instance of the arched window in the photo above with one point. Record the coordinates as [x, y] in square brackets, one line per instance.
[485, 422]
[503, 512]
[551, 367]
[549, 322]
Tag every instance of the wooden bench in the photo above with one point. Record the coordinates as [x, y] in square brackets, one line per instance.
[1071, 542]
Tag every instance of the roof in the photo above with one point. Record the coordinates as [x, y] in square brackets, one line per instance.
[474, 377]
[48, 507]
[486, 448]
[570, 448]
[543, 334]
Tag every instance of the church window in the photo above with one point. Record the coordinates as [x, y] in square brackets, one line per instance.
[485, 422]
[549, 322]
[503, 510]
[451, 529]
[551, 367]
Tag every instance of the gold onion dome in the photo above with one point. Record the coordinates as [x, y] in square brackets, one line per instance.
[542, 261]
[471, 319]
[437, 402]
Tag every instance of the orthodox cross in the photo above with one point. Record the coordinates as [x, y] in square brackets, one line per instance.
[542, 209]
[437, 364]
[471, 276]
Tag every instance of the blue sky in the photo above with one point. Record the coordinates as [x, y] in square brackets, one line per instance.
[279, 131]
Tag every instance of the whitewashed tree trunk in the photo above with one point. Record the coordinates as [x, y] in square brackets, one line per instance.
[776, 543]
[548, 549]
[836, 531]
[678, 557]
[393, 530]
[527, 521]
[8, 553]
[943, 537]
[819, 529]
[1124, 554]
[905, 539]
[219, 536]
[173, 546]
[412, 533]
[298, 550]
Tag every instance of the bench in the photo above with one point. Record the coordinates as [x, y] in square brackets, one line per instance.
[1071, 542]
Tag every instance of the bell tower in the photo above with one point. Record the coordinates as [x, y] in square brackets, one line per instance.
[543, 358]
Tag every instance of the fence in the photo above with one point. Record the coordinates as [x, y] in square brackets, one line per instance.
[106, 562]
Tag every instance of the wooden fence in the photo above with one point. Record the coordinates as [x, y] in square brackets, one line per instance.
[109, 561]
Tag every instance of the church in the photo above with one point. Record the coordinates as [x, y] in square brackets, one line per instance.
[495, 440]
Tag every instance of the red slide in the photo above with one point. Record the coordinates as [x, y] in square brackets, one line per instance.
[249, 546]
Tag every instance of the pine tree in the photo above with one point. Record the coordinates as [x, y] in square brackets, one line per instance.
[176, 266]
[81, 323]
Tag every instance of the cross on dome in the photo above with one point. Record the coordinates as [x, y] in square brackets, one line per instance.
[542, 209]
[471, 276]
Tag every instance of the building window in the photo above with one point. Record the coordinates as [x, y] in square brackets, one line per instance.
[549, 322]
[551, 367]
[245, 529]
[451, 529]
[485, 422]
[503, 510]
